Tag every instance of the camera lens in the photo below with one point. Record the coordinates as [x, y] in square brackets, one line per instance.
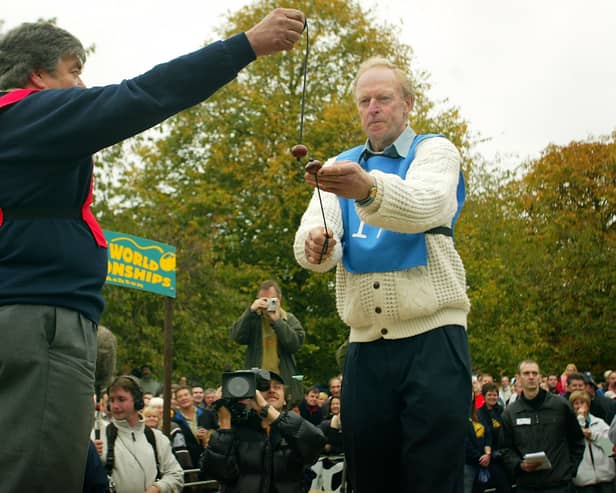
[238, 386]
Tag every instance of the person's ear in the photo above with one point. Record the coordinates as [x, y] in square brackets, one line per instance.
[37, 79]
[409, 102]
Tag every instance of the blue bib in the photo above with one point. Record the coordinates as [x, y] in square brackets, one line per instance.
[370, 249]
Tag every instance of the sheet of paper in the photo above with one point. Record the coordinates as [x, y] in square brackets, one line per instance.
[538, 458]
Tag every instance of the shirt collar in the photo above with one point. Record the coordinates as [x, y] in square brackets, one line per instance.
[399, 148]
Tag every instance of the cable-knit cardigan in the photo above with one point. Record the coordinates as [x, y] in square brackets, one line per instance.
[408, 302]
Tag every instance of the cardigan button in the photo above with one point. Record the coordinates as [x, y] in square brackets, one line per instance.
[376, 285]
[384, 331]
[378, 309]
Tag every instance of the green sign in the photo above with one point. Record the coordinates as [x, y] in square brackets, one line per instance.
[142, 264]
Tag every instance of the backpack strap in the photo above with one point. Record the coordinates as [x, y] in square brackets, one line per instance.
[149, 434]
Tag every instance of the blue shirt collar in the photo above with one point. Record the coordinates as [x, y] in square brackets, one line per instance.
[399, 149]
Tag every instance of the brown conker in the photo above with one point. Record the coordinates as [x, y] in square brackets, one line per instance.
[299, 151]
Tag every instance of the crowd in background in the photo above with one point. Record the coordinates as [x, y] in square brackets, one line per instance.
[592, 402]
[194, 418]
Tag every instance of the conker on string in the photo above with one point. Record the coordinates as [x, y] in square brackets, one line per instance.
[299, 151]
[313, 166]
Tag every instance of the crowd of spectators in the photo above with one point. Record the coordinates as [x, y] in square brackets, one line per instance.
[493, 460]
[570, 427]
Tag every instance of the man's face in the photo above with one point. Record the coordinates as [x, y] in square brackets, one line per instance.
[335, 385]
[209, 398]
[275, 395]
[611, 379]
[197, 395]
[268, 293]
[381, 106]
[183, 398]
[575, 384]
[552, 382]
[505, 382]
[146, 372]
[491, 398]
[486, 379]
[67, 74]
[122, 404]
[530, 377]
[311, 398]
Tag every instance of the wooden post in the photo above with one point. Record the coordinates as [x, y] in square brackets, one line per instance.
[168, 359]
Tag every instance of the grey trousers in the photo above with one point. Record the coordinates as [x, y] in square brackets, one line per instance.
[47, 359]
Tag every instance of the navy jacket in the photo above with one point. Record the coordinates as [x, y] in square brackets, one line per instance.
[46, 144]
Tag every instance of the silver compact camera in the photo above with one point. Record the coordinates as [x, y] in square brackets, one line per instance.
[271, 304]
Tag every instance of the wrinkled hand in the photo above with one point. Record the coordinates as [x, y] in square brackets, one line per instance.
[314, 245]
[278, 31]
[344, 178]
[258, 305]
[484, 460]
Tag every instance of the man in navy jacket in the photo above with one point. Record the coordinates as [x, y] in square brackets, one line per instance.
[53, 257]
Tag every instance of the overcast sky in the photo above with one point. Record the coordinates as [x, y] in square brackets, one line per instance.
[524, 73]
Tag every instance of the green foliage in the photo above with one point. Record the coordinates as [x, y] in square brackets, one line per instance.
[218, 182]
[538, 251]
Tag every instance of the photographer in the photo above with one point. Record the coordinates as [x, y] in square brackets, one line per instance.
[260, 446]
[272, 335]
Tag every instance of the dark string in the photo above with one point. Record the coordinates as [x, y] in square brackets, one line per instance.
[301, 117]
[301, 136]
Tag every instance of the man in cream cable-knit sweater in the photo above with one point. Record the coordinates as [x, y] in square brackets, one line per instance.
[390, 207]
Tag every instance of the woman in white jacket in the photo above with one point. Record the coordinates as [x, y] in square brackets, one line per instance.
[597, 470]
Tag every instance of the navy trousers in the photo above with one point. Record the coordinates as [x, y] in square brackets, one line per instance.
[404, 411]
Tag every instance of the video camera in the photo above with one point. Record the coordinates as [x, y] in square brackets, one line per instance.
[243, 384]
[239, 385]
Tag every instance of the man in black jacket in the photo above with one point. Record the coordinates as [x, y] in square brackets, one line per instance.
[600, 406]
[266, 451]
[540, 422]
